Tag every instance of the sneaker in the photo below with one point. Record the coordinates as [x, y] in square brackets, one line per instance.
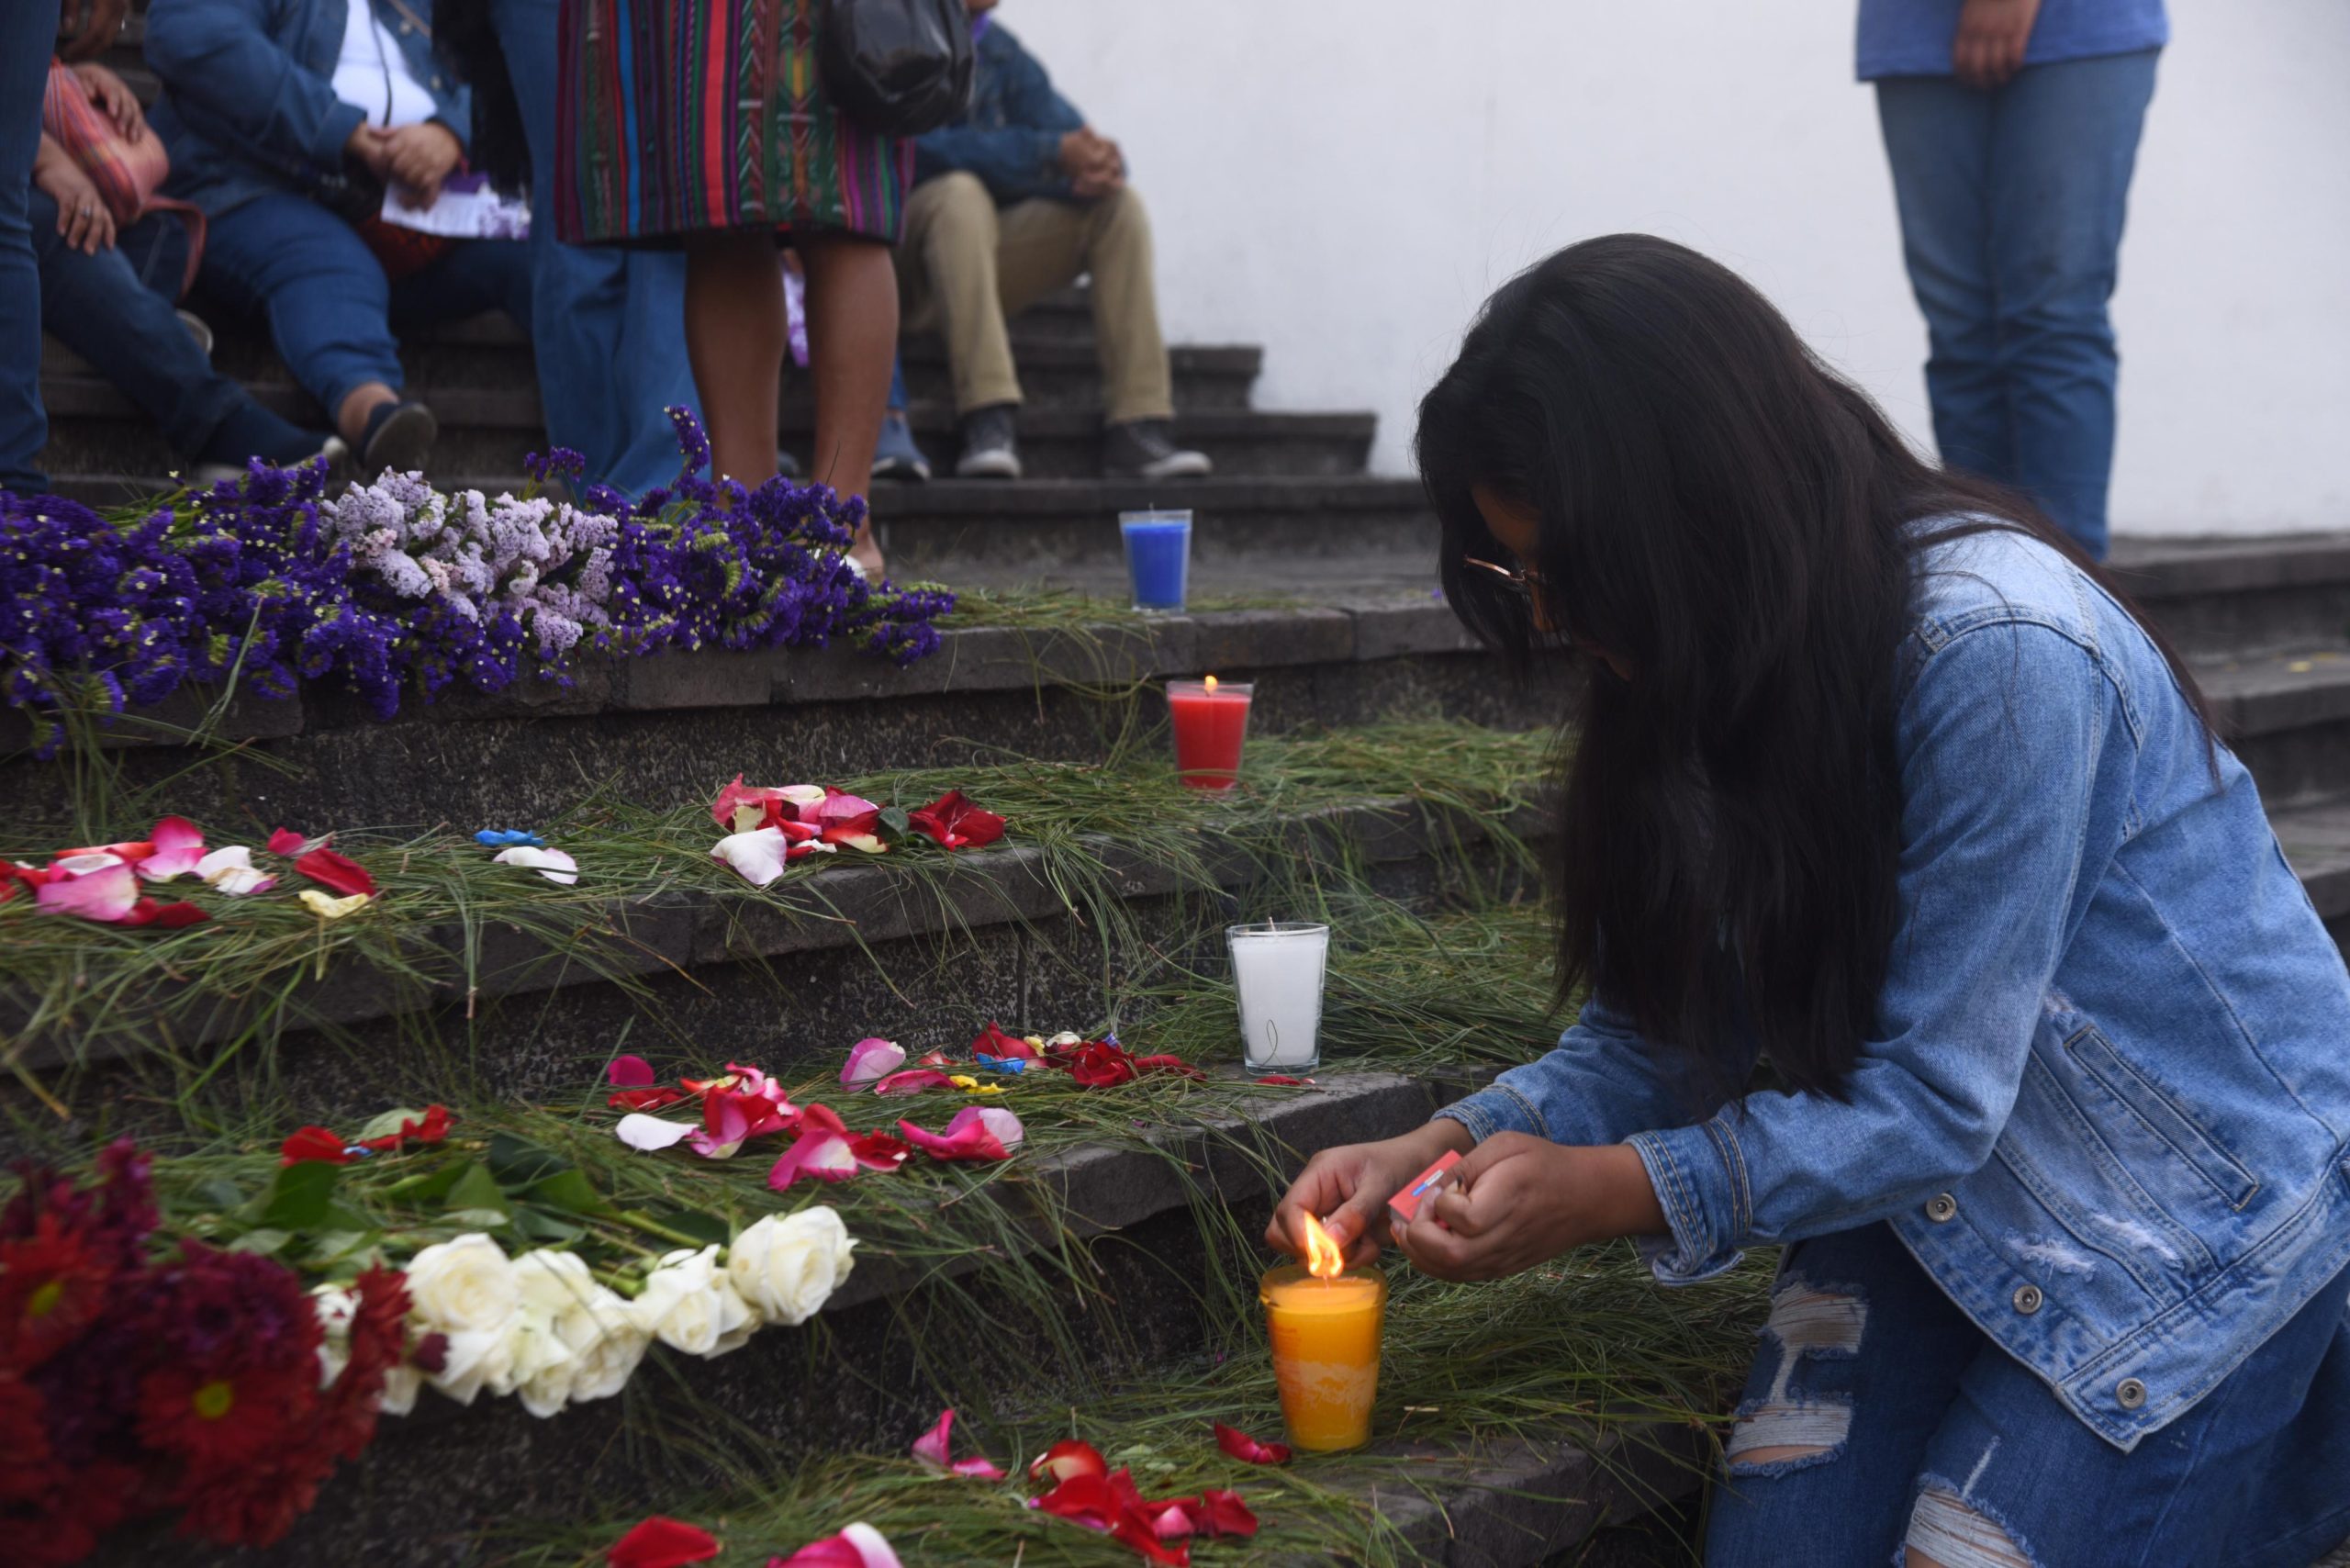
[990, 448]
[786, 465]
[896, 456]
[398, 436]
[1145, 449]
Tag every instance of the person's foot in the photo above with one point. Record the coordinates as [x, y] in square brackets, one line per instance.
[896, 456]
[399, 435]
[1145, 449]
[786, 465]
[991, 444]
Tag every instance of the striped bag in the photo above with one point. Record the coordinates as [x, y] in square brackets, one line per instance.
[127, 174]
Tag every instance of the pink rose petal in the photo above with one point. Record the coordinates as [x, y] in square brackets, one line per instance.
[976, 1132]
[931, 1446]
[630, 1072]
[1171, 1523]
[178, 848]
[978, 1468]
[870, 1060]
[820, 1153]
[106, 893]
[858, 1546]
[913, 1081]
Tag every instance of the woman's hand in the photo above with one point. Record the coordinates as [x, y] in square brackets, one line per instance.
[1517, 1200]
[419, 157]
[113, 94]
[81, 214]
[1992, 37]
[1347, 1189]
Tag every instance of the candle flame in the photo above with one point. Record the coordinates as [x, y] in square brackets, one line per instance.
[1324, 1261]
[1209, 684]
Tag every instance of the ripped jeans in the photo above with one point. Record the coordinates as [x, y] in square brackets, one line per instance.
[1880, 1425]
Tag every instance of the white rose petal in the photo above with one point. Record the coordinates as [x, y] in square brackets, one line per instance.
[400, 1385]
[463, 1286]
[473, 1359]
[645, 1132]
[607, 1342]
[231, 871]
[551, 864]
[787, 1266]
[334, 1305]
[689, 1305]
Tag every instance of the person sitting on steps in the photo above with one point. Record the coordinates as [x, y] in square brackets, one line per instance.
[1014, 200]
[287, 121]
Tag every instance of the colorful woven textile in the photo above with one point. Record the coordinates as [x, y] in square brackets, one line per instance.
[684, 115]
[127, 174]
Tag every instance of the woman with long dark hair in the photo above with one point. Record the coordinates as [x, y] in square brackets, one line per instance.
[1928, 929]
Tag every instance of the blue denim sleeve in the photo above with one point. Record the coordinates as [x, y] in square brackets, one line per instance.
[239, 86]
[1603, 1082]
[1014, 162]
[2001, 738]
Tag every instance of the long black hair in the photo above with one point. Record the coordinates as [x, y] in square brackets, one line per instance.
[1730, 520]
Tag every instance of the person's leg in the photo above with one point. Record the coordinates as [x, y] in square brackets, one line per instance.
[852, 347]
[951, 245]
[736, 336]
[325, 295]
[1858, 1364]
[608, 323]
[25, 29]
[2014, 1479]
[476, 275]
[1136, 382]
[2064, 141]
[1938, 140]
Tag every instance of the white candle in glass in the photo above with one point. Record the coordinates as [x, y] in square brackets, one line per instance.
[1277, 970]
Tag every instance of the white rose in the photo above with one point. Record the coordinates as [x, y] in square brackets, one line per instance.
[334, 1306]
[577, 1338]
[543, 1369]
[474, 1358]
[463, 1286]
[787, 1266]
[607, 1342]
[688, 1304]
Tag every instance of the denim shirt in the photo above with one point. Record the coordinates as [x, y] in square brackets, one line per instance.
[248, 108]
[1010, 136]
[2106, 1095]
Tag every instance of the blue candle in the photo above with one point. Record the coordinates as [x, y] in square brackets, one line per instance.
[1158, 556]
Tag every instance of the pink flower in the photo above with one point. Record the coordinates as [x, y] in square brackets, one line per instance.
[870, 1060]
[976, 1132]
[630, 1072]
[858, 1546]
[178, 848]
[933, 1447]
[742, 807]
[913, 1081]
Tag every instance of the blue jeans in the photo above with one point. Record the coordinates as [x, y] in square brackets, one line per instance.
[331, 311]
[2012, 209]
[28, 28]
[611, 328]
[1879, 1420]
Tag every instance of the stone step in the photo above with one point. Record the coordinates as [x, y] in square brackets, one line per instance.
[2288, 716]
[2238, 595]
[96, 429]
[648, 729]
[2316, 840]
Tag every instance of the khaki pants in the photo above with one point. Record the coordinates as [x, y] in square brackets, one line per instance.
[966, 266]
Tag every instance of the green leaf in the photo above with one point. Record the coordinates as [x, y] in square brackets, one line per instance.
[895, 823]
[571, 1192]
[539, 1225]
[388, 1124]
[263, 1241]
[335, 1246]
[519, 1163]
[476, 1219]
[476, 1189]
[704, 1228]
[298, 1198]
[221, 1193]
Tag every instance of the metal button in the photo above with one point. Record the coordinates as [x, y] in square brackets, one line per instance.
[1942, 1208]
[2027, 1299]
[2131, 1392]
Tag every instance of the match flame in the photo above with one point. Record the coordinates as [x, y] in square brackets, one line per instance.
[1209, 685]
[1323, 1260]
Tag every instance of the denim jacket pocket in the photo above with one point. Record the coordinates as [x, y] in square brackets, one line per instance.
[2162, 1116]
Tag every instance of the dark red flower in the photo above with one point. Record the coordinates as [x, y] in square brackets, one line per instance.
[996, 1041]
[662, 1542]
[1240, 1445]
[375, 1341]
[220, 1419]
[1097, 1064]
[313, 1143]
[951, 821]
[644, 1099]
[329, 870]
[53, 1286]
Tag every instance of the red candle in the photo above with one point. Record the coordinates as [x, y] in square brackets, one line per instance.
[1210, 720]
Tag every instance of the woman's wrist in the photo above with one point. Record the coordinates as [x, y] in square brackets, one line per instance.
[1621, 1199]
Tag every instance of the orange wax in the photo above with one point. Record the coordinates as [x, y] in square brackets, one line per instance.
[1325, 1352]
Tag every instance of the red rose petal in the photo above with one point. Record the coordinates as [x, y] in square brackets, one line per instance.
[1066, 1460]
[660, 1542]
[1240, 1445]
[329, 869]
[312, 1143]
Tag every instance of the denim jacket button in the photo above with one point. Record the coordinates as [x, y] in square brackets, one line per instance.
[2131, 1392]
[1942, 1208]
[2027, 1299]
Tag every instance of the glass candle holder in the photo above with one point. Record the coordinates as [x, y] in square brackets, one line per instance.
[1277, 973]
[1158, 558]
[1326, 1335]
[1211, 720]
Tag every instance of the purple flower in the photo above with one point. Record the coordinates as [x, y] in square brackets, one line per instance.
[692, 445]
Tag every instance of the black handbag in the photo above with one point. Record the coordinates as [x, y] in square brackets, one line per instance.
[898, 67]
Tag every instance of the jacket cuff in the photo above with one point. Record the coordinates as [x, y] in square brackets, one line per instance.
[1049, 155]
[326, 150]
[1700, 1178]
[1499, 1109]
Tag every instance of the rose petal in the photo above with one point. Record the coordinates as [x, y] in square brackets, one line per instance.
[978, 1468]
[660, 1542]
[552, 863]
[329, 869]
[976, 1132]
[871, 1060]
[1066, 1460]
[951, 821]
[326, 908]
[731, 798]
[170, 916]
[913, 1081]
[995, 1042]
[879, 1151]
[858, 1546]
[106, 893]
[630, 1072]
[1222, 1513]
[820, 1153]
[1000, 1124]
[643, 1131]
[178, 848]
[1170, 1522]
[757, 855]
[1241, 1446]
[839, 805]
[231, 871]
[285, 841]
[313, 1145]
[931, 1446]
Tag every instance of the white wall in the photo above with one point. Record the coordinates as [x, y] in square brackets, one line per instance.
[1343, 181]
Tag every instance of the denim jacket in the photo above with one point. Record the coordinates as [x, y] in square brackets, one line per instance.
[247, 108]
[1010, 136]
[2107, 1097]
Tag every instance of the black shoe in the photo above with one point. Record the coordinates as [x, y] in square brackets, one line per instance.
[990, 448]
[398, 436]
[1145, 449]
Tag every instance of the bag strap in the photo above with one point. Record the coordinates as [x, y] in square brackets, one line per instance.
[412, 18]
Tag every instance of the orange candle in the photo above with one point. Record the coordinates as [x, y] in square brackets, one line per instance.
[1324, 1326]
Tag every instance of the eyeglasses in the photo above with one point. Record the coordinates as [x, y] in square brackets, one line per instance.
[1525, 582]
